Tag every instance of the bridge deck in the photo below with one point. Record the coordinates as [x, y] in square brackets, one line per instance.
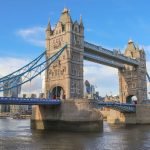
[122, 107]
[28, 101]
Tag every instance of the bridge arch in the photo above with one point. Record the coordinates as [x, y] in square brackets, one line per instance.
[131, 98]
[57, 92]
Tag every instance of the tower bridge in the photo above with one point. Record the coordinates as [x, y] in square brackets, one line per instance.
[65, 52]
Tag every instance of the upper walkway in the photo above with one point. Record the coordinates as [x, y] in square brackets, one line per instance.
[104, 56]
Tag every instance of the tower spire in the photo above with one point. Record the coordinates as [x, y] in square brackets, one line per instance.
[81, 22]
[65, 10]
[48, 26]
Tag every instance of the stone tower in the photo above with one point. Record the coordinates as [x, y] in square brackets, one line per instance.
[64, 79]
[132, 79]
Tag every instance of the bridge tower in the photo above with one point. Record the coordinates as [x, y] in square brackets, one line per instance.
[64, 78]
[132, 79]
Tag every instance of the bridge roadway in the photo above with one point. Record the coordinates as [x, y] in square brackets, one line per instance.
[28, 101]
[104, 56]
[122, 107]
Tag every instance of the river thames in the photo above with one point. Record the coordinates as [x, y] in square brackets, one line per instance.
[17, 135]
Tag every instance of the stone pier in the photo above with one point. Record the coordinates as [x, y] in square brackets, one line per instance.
[142, 116]
[71, 115]
[116, 117]
[143, 113]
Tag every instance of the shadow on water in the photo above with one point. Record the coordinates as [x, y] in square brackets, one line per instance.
[64, 140]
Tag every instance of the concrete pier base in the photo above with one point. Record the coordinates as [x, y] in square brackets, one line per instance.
[142, 116]
[71, 115]
[116, 117]
[143, 113]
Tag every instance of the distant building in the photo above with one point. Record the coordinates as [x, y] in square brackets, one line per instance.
[13, 92]
[111, 98]
[87, 87]
[90, 92]
[41, 95]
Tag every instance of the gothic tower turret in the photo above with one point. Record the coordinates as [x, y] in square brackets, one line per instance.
[64, 78]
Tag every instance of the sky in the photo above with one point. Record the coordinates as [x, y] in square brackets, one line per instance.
[109, 23]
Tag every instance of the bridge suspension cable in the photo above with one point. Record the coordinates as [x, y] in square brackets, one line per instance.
[148, 76]
[23, 69]
[28, 74]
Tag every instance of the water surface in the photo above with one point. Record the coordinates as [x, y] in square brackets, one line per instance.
[17, 135]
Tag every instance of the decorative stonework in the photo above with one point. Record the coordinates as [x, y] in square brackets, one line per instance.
[67, 71]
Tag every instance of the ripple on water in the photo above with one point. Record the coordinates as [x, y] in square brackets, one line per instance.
[16, 135]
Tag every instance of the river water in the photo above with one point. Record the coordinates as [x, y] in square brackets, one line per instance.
[17, 135]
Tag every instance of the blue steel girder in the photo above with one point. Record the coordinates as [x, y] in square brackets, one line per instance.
[28, 101]
[92, 48]
[122, 107]
[31, 73]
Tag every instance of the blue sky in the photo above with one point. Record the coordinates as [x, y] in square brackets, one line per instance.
[110, 23]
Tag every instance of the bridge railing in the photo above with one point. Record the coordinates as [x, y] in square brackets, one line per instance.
[28, 101]
[122, 107]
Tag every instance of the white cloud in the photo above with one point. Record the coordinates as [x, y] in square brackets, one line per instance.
[10, 64]
[104, 78]
[35, 86]
[34, 35]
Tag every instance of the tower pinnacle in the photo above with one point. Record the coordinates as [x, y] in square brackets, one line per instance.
[48, 26]
[81, 22]
[130, 41]
[65, 11]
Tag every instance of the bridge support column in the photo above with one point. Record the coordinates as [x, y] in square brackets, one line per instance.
[116, 117]
[143, 113]
[71, 115]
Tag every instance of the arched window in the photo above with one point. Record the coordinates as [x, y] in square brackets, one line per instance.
[76, 29]
[63, 28]
[131, 99]
[132, 54]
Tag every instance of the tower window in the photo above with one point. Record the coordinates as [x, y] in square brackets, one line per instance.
[63, 28]
[132, 54]
[76, 29]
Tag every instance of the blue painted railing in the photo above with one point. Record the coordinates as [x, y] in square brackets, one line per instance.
[28, 101]
[122, 107]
